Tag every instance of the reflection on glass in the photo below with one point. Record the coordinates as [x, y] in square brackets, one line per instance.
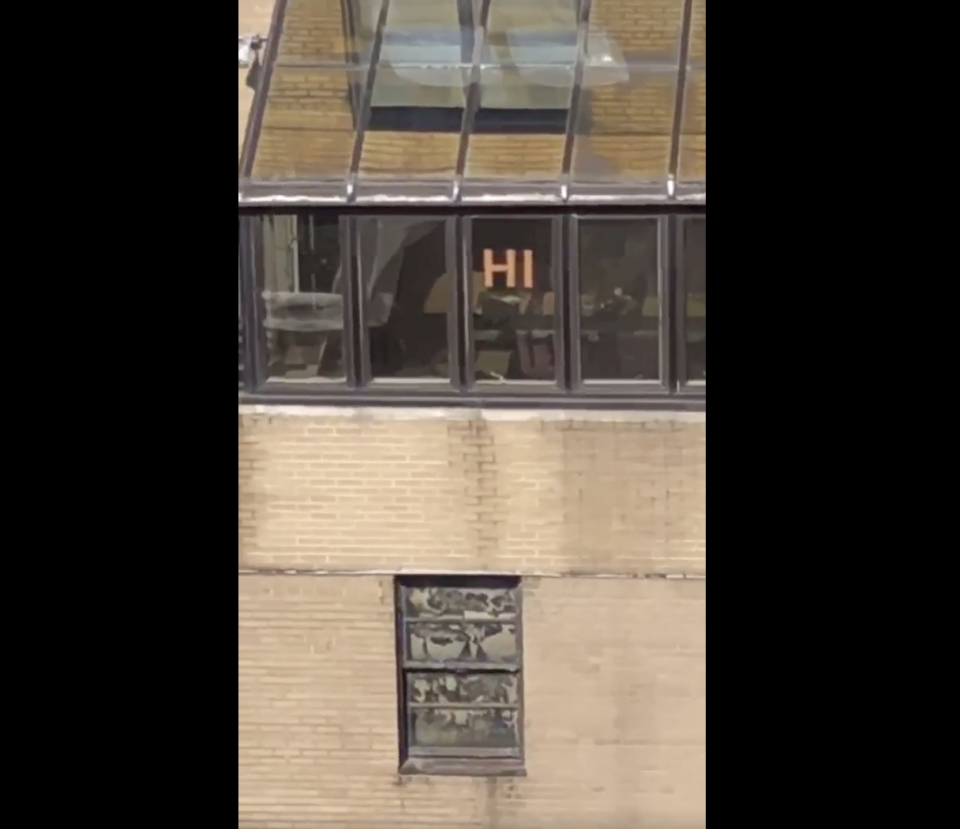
[419, 92]
[693, 135]
[624, 125]
[313, 31]
[308, 128]
[526, 82]
[643, 30]
[301, 288]
[619, 300]
[460, 728]
[695, 276]
[698, 32]
[481, 642]
[424, 63]
[473, 603]
[406, 286]
[477, 689]
[528, 57]
[512, 298]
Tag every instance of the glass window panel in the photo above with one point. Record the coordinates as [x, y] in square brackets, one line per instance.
[693, 137]
[477, 690]
[470, 603]
[531, 33]
[491, 642]
[313, 32]
[254, 23]
[459, 729]
[514, 157]
[301, 288]
[394, 154]
[403, 270]
[248, 73]
[619, 299]
[526, 82]
[624, 126]
[513, 300]
[308, 124]
[695, 301]
[698, 32]
[424, 63]
[638, 31]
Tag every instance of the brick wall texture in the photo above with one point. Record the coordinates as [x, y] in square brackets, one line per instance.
[585, 507]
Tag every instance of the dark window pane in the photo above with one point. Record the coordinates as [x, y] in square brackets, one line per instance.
[407, 289]
[619, 300]
[512, 297]
[457, 729]
[695, 275]
[301, 287]
[480, 642]
[477, 690]
[470, 603]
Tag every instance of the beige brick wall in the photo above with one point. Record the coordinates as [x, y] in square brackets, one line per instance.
[508, 491]
[614, 668]
[615, 711]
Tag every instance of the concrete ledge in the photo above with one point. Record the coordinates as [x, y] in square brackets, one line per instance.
[492, 415]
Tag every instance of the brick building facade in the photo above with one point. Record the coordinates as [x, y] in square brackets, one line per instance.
[472, 520]
[593, 511]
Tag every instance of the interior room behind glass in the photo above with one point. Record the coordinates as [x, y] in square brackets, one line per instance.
[695, 299]
[301, 290]
[619, 299]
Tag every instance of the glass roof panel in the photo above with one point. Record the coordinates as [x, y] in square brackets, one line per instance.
[424, 60]
[635, 31]
[526, 81]
[406, 155]
[313, 32]
[253, 21]
[419, 91]
[692, 165]
[624, 125]
[308, 124]
[698, 32]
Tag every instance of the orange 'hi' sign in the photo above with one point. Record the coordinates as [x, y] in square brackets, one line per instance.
[491, 268]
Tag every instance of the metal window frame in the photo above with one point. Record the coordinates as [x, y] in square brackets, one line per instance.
[664, 385]
[475, 762]
[365, 376]
[674, 394]
[260, 383]
[685, 386]
[352, 190]
[512, 387]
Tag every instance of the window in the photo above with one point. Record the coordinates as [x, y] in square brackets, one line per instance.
[301, 289]
[512, 300]
[458, 102]
[694, 300]
[408, 278]
[619, 299]
[460, 676]
[474, 306]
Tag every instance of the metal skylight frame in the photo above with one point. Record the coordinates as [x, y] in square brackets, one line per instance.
[433, 193]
